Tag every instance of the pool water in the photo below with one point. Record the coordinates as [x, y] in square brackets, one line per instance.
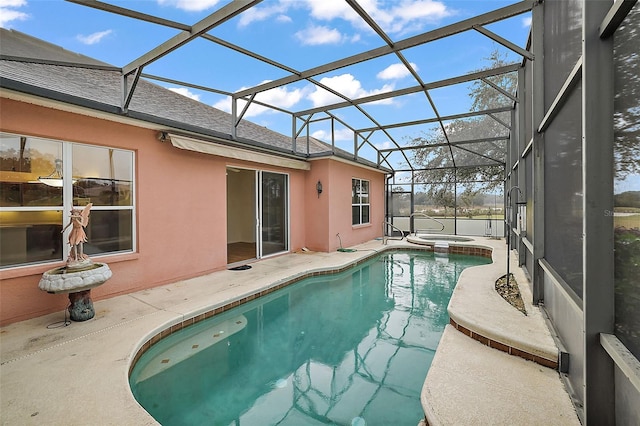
[351, 348]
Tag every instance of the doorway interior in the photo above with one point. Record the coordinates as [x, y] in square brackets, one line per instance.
[257, 214]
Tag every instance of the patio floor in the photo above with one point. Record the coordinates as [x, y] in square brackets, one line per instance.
[78, 375]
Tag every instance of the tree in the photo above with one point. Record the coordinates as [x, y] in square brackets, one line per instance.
[627, 97]
[477, 166]
[468, 197]
[444, 196]
[420, 198]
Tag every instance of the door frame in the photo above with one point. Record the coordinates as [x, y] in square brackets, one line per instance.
[259, 209]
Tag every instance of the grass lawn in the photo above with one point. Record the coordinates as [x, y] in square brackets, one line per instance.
[629, 222]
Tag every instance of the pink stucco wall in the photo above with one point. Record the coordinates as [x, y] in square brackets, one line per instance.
[181, 214]
[330, 214]
[317, 212]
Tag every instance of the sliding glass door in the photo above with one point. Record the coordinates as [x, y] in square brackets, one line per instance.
[274, 213]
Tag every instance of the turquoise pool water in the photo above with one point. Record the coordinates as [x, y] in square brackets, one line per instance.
[348, 349]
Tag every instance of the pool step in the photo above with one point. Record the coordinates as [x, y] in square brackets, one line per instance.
[197, 340]
[441, 247]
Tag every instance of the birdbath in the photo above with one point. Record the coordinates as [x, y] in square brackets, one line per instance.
[80, 274]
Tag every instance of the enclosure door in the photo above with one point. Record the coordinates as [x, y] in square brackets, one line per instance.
[273, 207]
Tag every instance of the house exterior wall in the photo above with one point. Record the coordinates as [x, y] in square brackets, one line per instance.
[181, 218]
[317, 213]
[330, 214]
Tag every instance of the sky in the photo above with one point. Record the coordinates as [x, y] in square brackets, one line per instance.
[300, 34]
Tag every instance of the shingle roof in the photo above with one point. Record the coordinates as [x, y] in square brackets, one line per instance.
[16, 44]
[34, 66]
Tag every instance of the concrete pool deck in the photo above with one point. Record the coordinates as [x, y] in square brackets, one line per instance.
[78, 375]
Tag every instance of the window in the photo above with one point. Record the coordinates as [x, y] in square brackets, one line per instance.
[359, 201]
[36, 198]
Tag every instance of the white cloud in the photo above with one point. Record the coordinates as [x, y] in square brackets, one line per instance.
[344, 135]
[316, 35]
[394, 17]
[399, 17]
[339, 135]
[262, 13]
[396, 71]
[332, 9]
[425, 9]
[319, 10]
[347, 85]
[12, 3]
[280, 97]
[189, 5]
[384, 145]
[223, 104]
[411, 14]
[526, 22]
[185, 92]
[321, 135]
[8, 14]
[93, 38]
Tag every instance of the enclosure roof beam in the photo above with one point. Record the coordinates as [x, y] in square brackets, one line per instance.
[439, 33]
[184, 83]
[436, 145]
[180, 26]
[619, 10]
[372, 23]
[434, 120]
[505, 124]
[177, 25]
[208, 89]
[187, 33]
[506, 43]
[468, 166]
[216, 18]
[106, 7]
[500, 89]
[478, 75]
[480, 155]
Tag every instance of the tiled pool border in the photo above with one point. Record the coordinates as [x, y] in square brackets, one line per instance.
[467, 249]
[553, 364]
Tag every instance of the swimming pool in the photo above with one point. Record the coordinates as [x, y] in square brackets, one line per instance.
[348, 348]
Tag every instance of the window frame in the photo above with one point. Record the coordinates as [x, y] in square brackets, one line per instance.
[68, 200]
[360, 204]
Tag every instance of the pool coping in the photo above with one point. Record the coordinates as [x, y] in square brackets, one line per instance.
[88, 363]
[527, 336]
[484, 334]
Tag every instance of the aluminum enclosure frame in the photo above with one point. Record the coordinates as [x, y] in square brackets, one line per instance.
[134, 70]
